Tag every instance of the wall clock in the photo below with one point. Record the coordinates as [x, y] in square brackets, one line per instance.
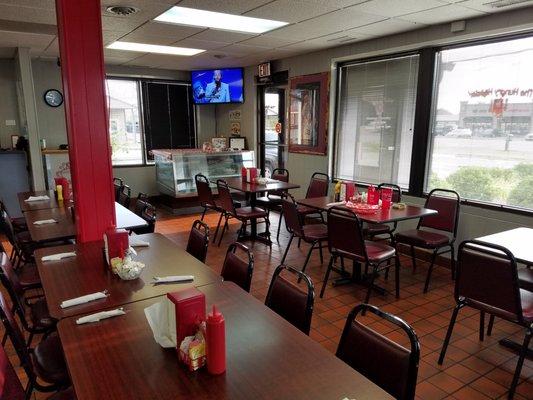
[53, 97]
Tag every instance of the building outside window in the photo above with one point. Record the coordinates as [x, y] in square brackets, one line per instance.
[482, 132]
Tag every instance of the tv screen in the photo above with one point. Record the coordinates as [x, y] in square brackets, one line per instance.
[218, 86]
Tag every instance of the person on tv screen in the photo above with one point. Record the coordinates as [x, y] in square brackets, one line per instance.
[217, 91]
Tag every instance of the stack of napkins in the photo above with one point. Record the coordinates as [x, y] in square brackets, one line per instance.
[173, 278]
[37, 198]
[161, 317]
[100, 315]
[84, 299]
[45, 221]
[136, 242]
[59, 256]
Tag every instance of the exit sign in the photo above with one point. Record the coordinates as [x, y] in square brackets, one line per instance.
[263, 69]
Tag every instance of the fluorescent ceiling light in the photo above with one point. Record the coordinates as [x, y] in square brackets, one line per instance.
[216, 20]
[154, 48]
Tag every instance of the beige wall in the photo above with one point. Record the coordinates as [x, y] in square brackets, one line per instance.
[8, 103]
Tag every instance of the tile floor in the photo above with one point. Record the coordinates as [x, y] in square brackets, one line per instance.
[471, 370]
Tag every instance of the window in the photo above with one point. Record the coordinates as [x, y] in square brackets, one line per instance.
[481, 133]
[124, 122]
[376, 109]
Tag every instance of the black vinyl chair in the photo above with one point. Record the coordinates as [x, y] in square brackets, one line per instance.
[117, 184]
[236, 269]
[149, 214]
[198, 240]
[373, 230]
[140, 203]
[289, 301]
[273, 198]
[124, 196]
[487, 280]
[446, 221]
[392, 367]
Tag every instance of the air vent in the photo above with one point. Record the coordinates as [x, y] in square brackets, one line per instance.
[505, 3]
[219, 56]
[121, 11]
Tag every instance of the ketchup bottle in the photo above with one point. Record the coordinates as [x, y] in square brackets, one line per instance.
[216, 342]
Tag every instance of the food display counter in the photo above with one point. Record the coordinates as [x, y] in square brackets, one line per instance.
[175, 169]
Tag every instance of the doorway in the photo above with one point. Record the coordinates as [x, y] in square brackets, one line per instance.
[272, 141]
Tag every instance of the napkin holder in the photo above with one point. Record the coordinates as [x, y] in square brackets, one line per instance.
[190, 311]
[116, 242]
[249, 174]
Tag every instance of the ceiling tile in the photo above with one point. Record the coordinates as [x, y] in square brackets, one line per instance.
[387, 27]
[126, 55]
[28, 14]
[243, 50]
[118, 24]
[446, 13]
[37, 43]
[336, 21]
[226, 6]
[199, 44]
[292, 10]
[268, 41]
[52, 50]
[149, 39]
[393, 8]
[482, 5]
[172, 31]
[109, 37]
[147, 9]
[222, 36]
[48, 4]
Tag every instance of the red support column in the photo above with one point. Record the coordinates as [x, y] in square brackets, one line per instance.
[82, 68]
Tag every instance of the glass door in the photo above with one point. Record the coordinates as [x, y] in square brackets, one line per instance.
[272, 144]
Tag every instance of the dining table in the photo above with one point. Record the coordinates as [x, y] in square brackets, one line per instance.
[51, 202]
[266, 358]
[251, 190]
[87, 272]
[381, 216]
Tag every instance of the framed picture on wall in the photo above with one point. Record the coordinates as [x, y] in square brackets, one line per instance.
[14, 140]
[308, 114]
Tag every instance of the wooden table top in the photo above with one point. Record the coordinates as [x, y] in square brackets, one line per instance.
[251, 187]
[380, 217]
[127, 219]
[519, 241]
[267, 358]
[88, 273]
[65, 228]
[41, 204]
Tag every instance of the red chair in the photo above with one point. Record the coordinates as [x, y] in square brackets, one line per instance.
[447, 221]
[198, 240]
[289, 301]
[124, 196]
[318, 187]
[373, 230]
[243, 214]
[236, 269]
[346, 240]
[314, 234]
[117, 184]
[392, 367]
[272, 201]
[487, 280]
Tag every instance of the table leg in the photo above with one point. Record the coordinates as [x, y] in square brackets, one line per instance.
[253, 226]
[358, 278]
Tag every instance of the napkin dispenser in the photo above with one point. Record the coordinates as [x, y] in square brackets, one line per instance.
[116, 242]
[190, 310]
[249, 174]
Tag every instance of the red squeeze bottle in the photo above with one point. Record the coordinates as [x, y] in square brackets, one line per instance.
[216, 342]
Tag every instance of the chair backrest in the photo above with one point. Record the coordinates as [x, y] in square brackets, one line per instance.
[142, 200]
[389, 365]
[396, 191]
[149, 214]
[318, 186]
[124, 197]
[289, 301]
[345, 235]
[487, 279]
[10, 386]
[225, 201]
[8, 229]
[236, 269]
[198, 240]
[279, 174]
[448, 211]
[205, 194]
[16, 336]
[11, 282]
[117, 183]
[293, 222]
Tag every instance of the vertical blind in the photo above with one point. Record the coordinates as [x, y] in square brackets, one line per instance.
[374, 129]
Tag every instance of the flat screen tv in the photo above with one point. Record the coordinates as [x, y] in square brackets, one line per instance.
[218, 86]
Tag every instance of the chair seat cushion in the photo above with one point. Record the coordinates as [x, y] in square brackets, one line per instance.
[29, 277]
[49, 361]
[315, 232]
[377, 229]
[526, 298]
[269, 201]
[377, 251]
[420, 238]
[304, 210]
[40, 316]
[67, 394]
[19, 224]
[24, 237]
[250, 212]
[525, 276]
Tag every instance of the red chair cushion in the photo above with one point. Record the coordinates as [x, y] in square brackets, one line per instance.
[304, 210]
[29, 277]
[377, 251]
[19, 224]
[40, 316]
[315, 232]
[377, 229]
[250, 212]
[67, 394]
[420, 238]
[49, 361]
[526, 298]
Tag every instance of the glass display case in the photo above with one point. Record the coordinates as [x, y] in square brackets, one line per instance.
[175, 169]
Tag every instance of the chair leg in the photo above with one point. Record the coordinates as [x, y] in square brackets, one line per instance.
[320, 251]
[449, 333]
[520, 363]
[203, 214]
[223, 230]
[491, 324]
[326, 277]
[371, 284]
[413, 258]
[397, 274]
[430, 270]
[452, 261]
[287, 249]
[307, 259]
[30, 339]
[279, 225]
[481, 326]
[218, 227]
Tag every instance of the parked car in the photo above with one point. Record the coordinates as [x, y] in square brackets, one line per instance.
[460, 133]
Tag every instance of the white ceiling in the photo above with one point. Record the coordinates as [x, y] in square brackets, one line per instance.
[314, 25]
